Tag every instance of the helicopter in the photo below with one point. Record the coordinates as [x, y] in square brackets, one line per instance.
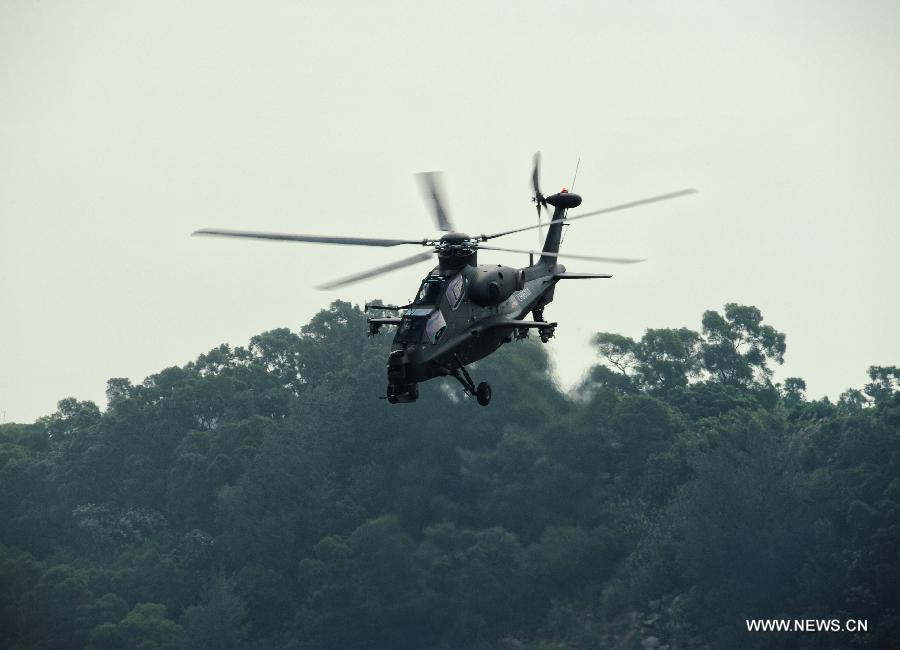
[463, 311]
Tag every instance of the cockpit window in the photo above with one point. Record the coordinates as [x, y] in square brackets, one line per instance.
[429, 292]
[435, 327]
[421, 326]
[455, 291]
[411, 329]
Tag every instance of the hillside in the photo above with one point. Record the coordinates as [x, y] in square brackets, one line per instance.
[263, 497]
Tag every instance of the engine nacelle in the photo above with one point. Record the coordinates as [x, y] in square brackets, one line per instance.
[490, 285]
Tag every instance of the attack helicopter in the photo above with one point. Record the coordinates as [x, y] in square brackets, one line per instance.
[463, 310]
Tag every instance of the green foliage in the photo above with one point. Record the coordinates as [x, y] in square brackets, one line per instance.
[793, 392]
[735, 350]
[217, 623]
[885, 380]
[669, 358]
[663, 360]
[263, 497]
[145, 627]
[738, 346]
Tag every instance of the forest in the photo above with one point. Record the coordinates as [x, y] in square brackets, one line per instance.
[264, 497]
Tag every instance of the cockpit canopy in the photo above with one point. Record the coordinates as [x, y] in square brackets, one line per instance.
[430, 291]
[421, 326]
[434, 287]
[411, 329]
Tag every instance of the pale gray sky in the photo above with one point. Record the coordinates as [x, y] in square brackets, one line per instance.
[125, 126]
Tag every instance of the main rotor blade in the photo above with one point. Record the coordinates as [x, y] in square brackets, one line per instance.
[316, 239]
[590, 258]
[614, 208]
[624, 206]
[393, 266]
[431, 187]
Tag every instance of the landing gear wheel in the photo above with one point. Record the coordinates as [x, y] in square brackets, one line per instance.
[483, 393]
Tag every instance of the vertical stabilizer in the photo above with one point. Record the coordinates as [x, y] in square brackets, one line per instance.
[560, 202]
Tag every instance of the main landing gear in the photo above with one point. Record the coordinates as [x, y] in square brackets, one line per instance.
[482, 392]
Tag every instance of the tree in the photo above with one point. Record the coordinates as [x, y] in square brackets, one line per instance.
[619, 352]
[73, 422]
[280, 352]
[793, 392]
[217, 623]
[146, 627]
[885, 381]
[738, 347]
[662, 360]
[58, 596]
[852, 402]
[668, 358]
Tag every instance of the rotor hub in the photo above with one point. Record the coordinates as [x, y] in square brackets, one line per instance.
[564, 199]
[455, 238]
[455, 251]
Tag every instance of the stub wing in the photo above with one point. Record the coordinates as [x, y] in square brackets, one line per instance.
[375, 324]
[580, 276]
[525, 324]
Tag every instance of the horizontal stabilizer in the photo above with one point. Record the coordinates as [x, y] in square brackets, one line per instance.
[580, 276]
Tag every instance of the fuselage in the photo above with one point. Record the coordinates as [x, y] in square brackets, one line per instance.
[445, 327]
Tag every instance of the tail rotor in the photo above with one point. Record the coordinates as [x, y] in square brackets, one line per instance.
[538, 198]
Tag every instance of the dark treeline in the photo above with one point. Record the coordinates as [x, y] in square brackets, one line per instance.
[262, 497]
